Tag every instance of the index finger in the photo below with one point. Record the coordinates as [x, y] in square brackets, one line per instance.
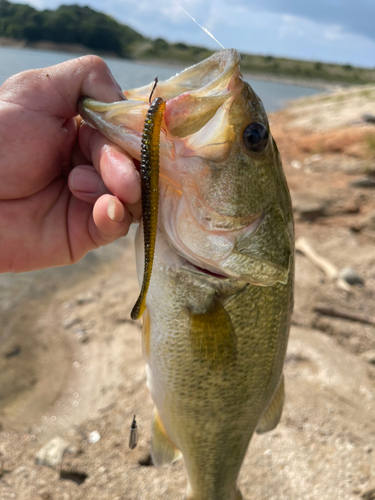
[61, 86]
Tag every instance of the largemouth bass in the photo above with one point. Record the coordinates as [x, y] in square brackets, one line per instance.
[220, 298]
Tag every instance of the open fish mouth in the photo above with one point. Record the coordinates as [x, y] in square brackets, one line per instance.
[211, 211]
[201, 270]
[195, 120]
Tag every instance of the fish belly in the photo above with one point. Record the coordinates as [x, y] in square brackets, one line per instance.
[210, 412]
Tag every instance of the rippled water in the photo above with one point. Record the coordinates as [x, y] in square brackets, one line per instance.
[132, 74]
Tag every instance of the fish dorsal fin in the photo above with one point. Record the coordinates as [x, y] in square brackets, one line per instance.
[163, 451]
[213, 337]
[272, 415]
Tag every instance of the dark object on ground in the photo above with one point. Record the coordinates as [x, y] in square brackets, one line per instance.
[75, 476]
[349, 275]
[366, 182]
[14, 352]
[368, 118]
[337, 313]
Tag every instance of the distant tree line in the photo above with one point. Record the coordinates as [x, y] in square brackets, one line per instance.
[72, 24]
[68, 24]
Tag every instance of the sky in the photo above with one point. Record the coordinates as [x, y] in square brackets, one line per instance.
[338, 31]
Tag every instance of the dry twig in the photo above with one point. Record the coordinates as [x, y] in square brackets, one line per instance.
[332, 272]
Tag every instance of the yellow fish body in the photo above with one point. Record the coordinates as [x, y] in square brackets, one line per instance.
[220, 298]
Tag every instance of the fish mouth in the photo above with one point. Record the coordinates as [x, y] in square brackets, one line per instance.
[193, 97]
[201, 270]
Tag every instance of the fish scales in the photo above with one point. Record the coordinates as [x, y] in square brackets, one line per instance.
[200, 405]
[220, 298]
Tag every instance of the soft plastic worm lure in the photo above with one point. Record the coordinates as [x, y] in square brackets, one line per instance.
[150, 193]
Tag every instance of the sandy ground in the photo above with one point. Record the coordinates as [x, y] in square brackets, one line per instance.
[71, 362]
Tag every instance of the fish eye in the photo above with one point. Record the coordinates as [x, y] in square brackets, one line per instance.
[255, 137]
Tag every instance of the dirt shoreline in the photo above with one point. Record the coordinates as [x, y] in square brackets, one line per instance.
[71, 362]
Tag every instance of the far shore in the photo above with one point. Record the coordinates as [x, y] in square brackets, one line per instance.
[82, 50]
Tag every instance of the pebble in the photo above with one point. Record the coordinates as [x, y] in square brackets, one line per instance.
[310, 210]
[52, 453]
[368, 118]
[296, 164]
[365, 182]
[85, 298]
[351, 277]
[94, 437]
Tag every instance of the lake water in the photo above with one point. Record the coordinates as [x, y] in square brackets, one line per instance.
[131, 74]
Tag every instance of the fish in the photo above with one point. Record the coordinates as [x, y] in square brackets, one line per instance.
[218, 308]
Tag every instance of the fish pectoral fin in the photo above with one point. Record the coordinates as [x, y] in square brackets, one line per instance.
[163, 451]
[272, 415]
[213, 337]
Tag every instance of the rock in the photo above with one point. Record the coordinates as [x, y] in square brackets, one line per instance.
[351, 277]
[366, 182]
[53, 452]
[310, 211]
[296, 164]
[94, 437]
[368, 118]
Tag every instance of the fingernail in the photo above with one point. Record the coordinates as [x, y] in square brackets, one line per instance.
[86, 180]
[115, 210]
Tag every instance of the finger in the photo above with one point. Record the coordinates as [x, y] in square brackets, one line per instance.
[114, 165]
[110, 220]
[88, 228]
[60, 87]
[86, 184]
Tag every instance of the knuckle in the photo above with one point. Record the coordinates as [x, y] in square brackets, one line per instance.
[93, 62]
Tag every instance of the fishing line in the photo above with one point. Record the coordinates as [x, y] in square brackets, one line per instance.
[202, 27]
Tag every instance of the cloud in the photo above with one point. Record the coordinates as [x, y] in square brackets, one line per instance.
[356, 17]
[327, 30]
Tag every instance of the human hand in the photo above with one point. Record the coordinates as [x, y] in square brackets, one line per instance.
[55, 177]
